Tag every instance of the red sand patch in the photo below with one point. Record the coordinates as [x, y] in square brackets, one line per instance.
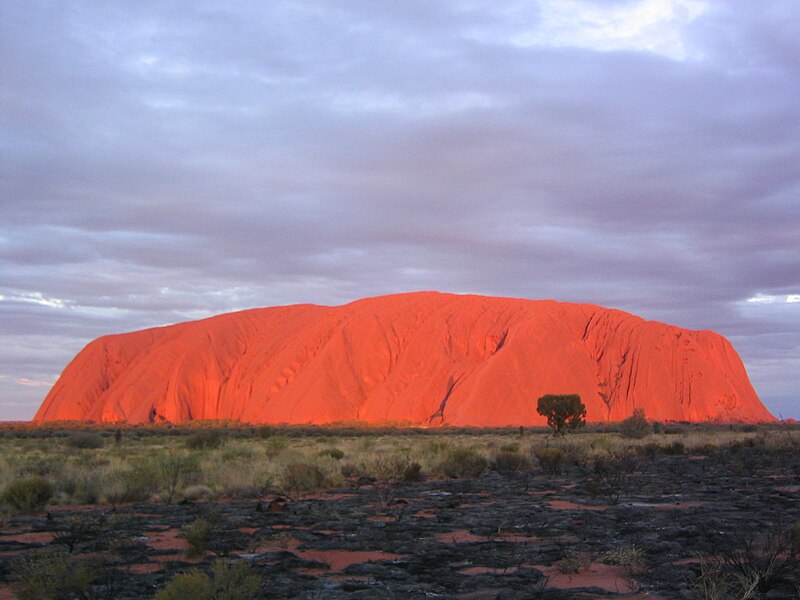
[567, 505]
[459, 536]
[338, 560]
[599, 575]
[151, 567]
[34, 537]
[425, 514]
[6, 593]
[166, 540]
[248, 530]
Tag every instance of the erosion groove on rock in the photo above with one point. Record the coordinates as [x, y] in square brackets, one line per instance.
[419, 358]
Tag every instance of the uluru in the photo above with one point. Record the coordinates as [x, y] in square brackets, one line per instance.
[423, 358]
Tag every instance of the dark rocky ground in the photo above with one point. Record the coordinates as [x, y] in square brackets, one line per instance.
[494, 536]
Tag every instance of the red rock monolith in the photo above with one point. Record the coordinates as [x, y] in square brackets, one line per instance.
[419, 358]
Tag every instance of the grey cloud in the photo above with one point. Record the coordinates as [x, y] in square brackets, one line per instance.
[167, 161]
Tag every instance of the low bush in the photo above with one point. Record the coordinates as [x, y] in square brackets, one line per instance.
[28, 495]
[333, 453]
[631, 558]
[85, 439]
[551, 459]
[636, 426]
[230, 580]
[510, 462]
[135, 484]
[82, 488]
[53, 576]
[413, 472]
[204, 440]
[36, 464]
[350, 470]
[194, 585]
[276, 444]
[174, 470]
[675, 448]
[198, 492]
[754, 564]
[78, 529]
[461, 463]
[197, 534]
[300, 478]
[610, 476]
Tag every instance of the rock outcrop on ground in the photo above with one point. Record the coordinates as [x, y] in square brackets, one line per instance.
[420, 358]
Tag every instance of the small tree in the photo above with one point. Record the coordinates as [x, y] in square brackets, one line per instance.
[563, 412]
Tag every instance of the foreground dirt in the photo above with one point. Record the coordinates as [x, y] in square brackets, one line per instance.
[509, 536]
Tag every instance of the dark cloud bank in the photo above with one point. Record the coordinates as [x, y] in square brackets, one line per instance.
[166, 161]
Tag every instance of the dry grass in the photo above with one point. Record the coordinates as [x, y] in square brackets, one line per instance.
[249, 463]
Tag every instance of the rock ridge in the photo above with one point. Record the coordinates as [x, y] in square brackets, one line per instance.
[419, 358]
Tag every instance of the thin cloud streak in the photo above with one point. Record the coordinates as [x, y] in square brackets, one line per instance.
[168, 162]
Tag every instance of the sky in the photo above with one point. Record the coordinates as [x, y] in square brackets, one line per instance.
[165, 161]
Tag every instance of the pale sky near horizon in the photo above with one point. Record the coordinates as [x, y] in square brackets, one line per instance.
[165, 161]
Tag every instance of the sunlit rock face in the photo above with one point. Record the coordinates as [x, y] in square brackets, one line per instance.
[421, 358]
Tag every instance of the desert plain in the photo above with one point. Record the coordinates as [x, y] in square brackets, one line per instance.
[220, 510]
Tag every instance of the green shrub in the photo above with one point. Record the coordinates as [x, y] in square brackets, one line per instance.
[276, 444]
[229, 581]
[175, 469]
[204, 440]
[36, 464]
[197, 535]
[636, 426]
[135, 484]
[300, 478]
[460, 463]
[674, 448]
[551, 459]
[610, 476]
[198, 492]
[28, 495]
[631, 558]
[334, 453]
[194, 585]
[85, 439]
[510, 462]
[412, 472]
[53, 576]
[77, 529]
[264, 431]
[86, 488]
[349, 470]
